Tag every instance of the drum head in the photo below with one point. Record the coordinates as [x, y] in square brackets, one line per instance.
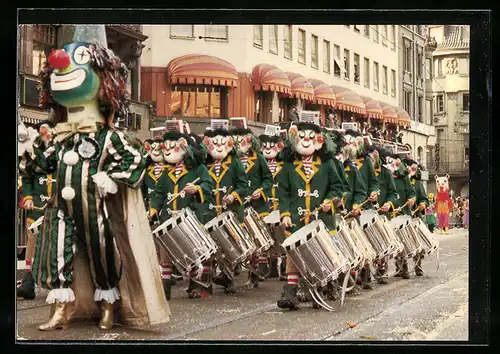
[368, 217]
[273, 218]
[303, 235]
[398, 221]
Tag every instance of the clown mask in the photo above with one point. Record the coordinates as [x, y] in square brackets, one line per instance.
[154, 151]
[218, 146]
[392, 164]
[174, 151]
[412, 170]
[350, 147]
[243, 143]
[308, 141]
[45, 133]
[375, 157]
[340, 157]
[271, 149]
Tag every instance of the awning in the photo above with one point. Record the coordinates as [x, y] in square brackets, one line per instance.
[348, 100]
[389, 112]
[323, 94]
[301, 88]
[31, 120]
[373, 108]
[202, 70]
[404, 118]
[267, 77]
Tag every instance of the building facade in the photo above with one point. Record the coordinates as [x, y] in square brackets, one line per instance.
[36, 42]
[199, 72]
[451, 104]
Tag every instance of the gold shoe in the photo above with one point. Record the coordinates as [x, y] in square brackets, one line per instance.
[59, 318]
[106, 321]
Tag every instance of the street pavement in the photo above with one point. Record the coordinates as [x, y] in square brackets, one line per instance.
[432, 307]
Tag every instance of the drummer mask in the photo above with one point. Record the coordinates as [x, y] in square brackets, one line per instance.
[350, 147]
[154, 151]
[392, 164]
[45, 133]
[270, 149]
[308, 141]
[412, 170]
[218, 146]
[375, 157]
[174, 151]
[243, 143]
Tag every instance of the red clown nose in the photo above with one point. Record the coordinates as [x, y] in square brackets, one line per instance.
[59, 59]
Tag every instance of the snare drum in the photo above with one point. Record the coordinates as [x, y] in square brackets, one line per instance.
[373, 228]
[234, 242]
[185, 240]
[361, 241]
[315, 256]
[343, 240]
[277, 231]
[407, 235]
[258, 230]
[396, 245]
[426, 238]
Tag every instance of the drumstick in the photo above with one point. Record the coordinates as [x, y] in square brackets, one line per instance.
[358, 207]
[249, 198]
[228, 192]
[317, 209]
[178, 194]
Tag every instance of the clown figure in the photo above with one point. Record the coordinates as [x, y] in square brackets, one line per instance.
[430, 214]
[230, 180]
[260, 182]
[96, 206]
[444, 204]
[183, 165]
[309, 187]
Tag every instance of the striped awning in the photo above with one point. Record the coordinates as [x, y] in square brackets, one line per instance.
[301, 88]
[202, 70]
[31, 120]
[404, 118]
[267, 77]
[390, 113]
[323, 94]
[348, 100]
[373, 108]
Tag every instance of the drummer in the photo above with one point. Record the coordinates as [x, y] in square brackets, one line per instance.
[415, 174]
[175, 190]
[230, 181]
[36, 189]
[272, 143]
[387, 198]
[260, 182]
[309, 187]
[406, 198]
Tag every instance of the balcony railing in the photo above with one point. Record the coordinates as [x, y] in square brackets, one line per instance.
[454, 169]
[422, 128]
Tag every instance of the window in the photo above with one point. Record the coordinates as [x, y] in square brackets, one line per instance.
[346, 64]
[375, 33]
[302, 46]
[375, 76]
[385, 82]
[367, 31]
[326, 56]
[420, 109]
[428, 109]
[314, 51]
[273, 39]
[197, 101]
[356, 28]
[407, 55]
[393, 83]
[439, 69]
[384, 35]
[465, 102]
[181, 31]
[288, 41]
[44, 41]
[463, 65]
[420, 62]
[428, 68]
[407, 101]
[336, 66]
[356, 68]
[367, 72]
[393, 37]
[439, 103]
[218, 32]
[258, 35]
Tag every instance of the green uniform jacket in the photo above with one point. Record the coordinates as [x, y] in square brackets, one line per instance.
[296, 192]
[259, 176]
[340, 170]
[168, 185]
[150, 183]
[232, 175]
[367, 171]
[37, 187]
[405, 192]
[273, 200]
[358, 190]
[420, 194]
[388, 192]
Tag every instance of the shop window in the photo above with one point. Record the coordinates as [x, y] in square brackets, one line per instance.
[181, 31]
[288, 41]
[314, 51]
[273, 39]
[258, 35]
[217, 32]
[302, 46]
[197, 101]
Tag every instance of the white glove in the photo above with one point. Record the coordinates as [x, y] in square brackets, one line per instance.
[104, 184]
